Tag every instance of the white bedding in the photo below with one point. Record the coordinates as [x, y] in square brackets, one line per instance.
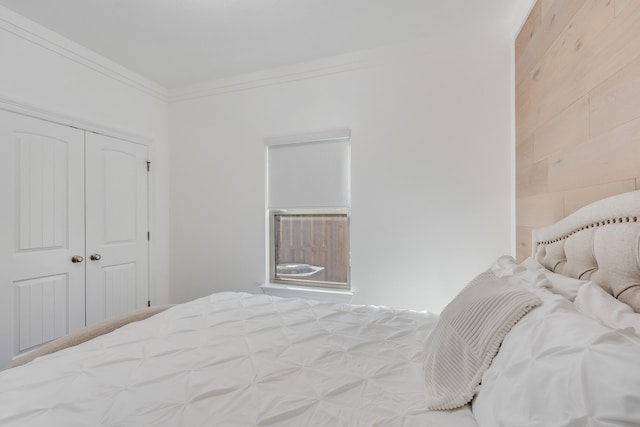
[237, 359]
[560, 368]
[563, 364]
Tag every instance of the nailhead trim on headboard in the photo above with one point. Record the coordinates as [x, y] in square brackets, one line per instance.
[596, 224]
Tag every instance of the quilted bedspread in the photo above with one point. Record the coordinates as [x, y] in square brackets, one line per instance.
[235, 359]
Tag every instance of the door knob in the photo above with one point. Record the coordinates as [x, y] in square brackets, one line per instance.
[95, 257]
[77, 258]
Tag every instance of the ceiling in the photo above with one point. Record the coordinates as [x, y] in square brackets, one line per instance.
[180, 42]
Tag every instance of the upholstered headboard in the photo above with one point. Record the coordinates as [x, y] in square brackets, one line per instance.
[600, 242]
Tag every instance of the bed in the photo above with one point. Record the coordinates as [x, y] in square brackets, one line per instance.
[553, 341]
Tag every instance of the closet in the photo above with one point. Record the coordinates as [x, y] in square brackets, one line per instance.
[73, 230]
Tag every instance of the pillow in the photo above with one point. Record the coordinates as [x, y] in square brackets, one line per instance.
[519, 275]
[594, 301]
[562, 285]
[560, 368]
[467, 337]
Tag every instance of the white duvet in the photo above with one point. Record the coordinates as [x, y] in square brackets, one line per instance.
[237, 360]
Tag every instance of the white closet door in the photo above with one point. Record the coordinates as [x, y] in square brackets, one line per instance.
[117, 215]
[41, 230]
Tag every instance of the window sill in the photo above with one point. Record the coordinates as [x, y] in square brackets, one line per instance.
[307, 292]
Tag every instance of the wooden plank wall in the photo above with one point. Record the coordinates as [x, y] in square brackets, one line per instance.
[577, 65]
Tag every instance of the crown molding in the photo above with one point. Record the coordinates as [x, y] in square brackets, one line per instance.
[32, 32]
[347, 62]
[308, 70]
[390, 54]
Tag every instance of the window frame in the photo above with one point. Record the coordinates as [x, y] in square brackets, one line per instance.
[273, 277]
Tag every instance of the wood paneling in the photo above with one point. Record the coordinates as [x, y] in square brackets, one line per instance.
[615, 101]
[567, 129]
[577, 115]
[545, 22]
[532, 176]
[621, 5]
[609, 157]
[536, 211]
[523, 242]
[564, 72]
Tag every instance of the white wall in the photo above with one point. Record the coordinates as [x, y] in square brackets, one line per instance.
[43, 70]
[431, 176]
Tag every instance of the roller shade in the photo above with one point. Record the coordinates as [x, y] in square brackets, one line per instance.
[309, 171]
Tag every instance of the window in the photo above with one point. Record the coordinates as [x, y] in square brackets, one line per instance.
[310, 247]
[308, 201]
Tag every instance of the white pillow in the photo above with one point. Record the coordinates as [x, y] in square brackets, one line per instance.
[562, 285]
[560, 368]
[519, 275]
[467, 337]
[593, 301]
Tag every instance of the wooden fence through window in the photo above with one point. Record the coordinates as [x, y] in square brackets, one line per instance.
[316, 239]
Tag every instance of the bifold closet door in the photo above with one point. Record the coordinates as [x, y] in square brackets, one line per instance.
[116, 218]
[42, 233]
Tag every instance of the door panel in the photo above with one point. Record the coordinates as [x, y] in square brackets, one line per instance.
[119, 178]
[41, 229]
[120, 288]
[41, 310]
[117, 217]
[42, 191]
